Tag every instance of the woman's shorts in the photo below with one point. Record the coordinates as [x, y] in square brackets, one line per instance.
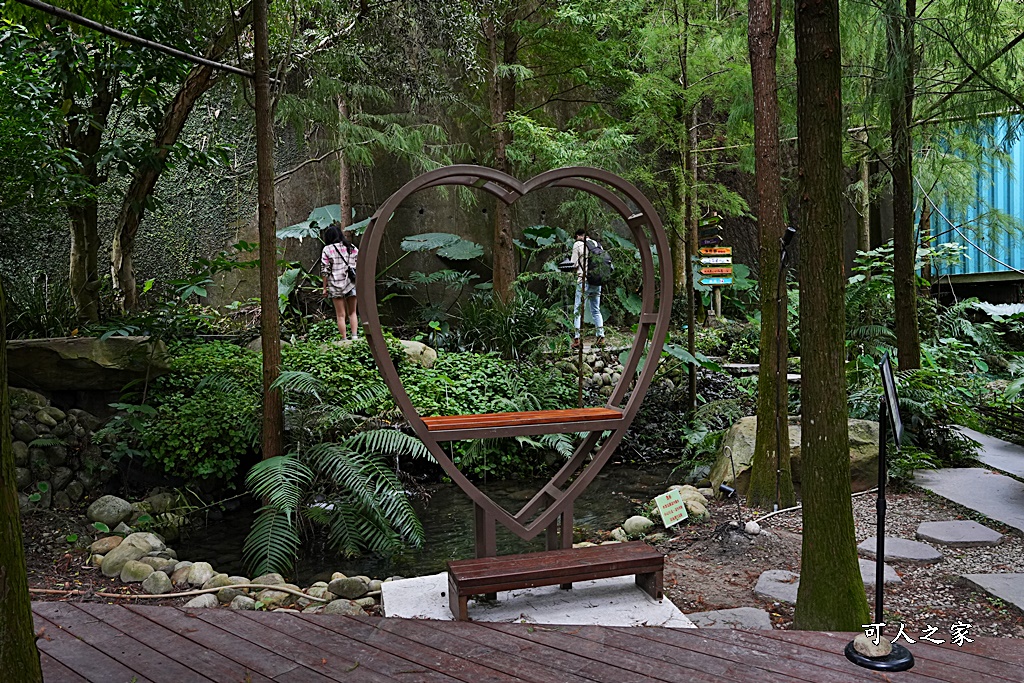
[339, 293]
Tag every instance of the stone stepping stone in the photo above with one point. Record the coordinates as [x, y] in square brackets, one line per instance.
[1006, 587]
[867, 573]
[1002, 455]
[739, 617]
[778, 584]
[958, 534]
[901, 550]
[993, 495]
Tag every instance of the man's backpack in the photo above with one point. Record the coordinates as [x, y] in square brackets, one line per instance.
[599, 264]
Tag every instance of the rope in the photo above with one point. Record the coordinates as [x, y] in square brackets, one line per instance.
[797, 507]
[198, 591]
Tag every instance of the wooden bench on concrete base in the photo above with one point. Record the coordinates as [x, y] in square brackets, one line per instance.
[486, 575]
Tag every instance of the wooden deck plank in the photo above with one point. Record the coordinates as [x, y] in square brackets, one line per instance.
[937, 661]
[831, 666]
[89, 663]
[212, 664]
[55, 672]
[542, 655]
[565, 638]
[186, 622]
[319, 663]
[139, 657]
[459, 645]
[368, 658]
[367, 632]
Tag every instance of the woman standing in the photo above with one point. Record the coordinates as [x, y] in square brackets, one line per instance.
[338, 262]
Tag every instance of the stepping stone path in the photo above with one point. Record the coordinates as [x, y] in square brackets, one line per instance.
[994, 495]
[958, 534]
[901, 550]
[740, 617]
[1002, 455]
[867, 573]
[1006, 587]
[778, 584]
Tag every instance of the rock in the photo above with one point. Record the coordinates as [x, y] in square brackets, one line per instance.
[778, 584]
[61, 477]
[61, 500]
[56, 413]
[148, 542]
[158, 563]
[229, 592]
[180, 575]
[199, 573]
[105, 545]
[207, 600]
[242, 602]
[313, 609]
[109, 510]
[863, 435]
[272, 598]
[619, 534]
[75, 491]
[637, 525]
[23, 502]
[26, 398]
[272, 579]
[218, 581]
[866, 646]
[689, 492]
[343, 607]
[348, 588]
[161, 502]
[752, 528]
[958, 534]
[44, 418]
[738, 617]
[23, 431]
[38, 465]
[901, 550]
[696, 510]
[20, 449]
[85, 419]
[85, 363]
[366, 603]
[419, 353]
[123, 529]
[374, 585]
[115, 560]
[95, 560]
[56, 455]
[22, 477]
[134, 571]
[157, 583]
[868, 569]
[321, 592]
[338, 575]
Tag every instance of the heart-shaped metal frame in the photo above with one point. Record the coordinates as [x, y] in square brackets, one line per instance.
[554, 502]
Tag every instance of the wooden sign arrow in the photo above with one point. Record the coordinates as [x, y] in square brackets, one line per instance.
[716, 260]
[716, 281]
[716, 271]
[716, 251]
[711, 241]
[709, 230]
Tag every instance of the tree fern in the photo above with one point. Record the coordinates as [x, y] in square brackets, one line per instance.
[280, 481]
[273, 542]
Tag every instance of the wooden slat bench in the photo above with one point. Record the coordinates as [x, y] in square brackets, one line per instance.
[485, 575]
[492, 425]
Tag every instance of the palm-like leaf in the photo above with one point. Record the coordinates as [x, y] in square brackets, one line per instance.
[280, 481]
[273, 542]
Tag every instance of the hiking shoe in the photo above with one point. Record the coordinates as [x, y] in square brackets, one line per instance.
[600, 343]
[575, 344]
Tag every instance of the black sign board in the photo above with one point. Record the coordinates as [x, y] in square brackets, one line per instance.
[891, 400]
[711, 241]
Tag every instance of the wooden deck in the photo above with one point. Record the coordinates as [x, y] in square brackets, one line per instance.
[123, 644]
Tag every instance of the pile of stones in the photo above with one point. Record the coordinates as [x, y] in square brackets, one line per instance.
[54, 455]
[601, 368]
[639, 526]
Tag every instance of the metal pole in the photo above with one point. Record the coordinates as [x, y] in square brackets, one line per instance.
[883, 437]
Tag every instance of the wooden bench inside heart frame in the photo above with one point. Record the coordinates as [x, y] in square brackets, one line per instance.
[551, 508]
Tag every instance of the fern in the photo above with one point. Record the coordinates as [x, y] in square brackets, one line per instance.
[281, 481]
[273, 542]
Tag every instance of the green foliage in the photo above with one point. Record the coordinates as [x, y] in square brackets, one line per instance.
[40, 307]
[513, 329]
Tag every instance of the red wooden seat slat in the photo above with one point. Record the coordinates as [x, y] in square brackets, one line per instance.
[532, 417]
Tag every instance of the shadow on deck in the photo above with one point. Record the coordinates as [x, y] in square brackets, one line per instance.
[122, 644]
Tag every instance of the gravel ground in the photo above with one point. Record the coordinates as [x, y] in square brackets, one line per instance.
[933, 595]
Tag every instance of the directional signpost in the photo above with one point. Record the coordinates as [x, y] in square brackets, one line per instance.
[716, 281]
[716, 267]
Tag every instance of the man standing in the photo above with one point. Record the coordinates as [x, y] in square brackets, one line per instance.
[587, 283]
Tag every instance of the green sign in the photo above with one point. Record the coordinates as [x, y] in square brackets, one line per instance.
[672, 508]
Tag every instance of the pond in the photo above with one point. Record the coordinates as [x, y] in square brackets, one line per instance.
[447, 518]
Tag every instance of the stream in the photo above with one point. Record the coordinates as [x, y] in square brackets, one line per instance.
[447, 518]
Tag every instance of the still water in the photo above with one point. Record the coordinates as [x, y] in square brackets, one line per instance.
[447, 518]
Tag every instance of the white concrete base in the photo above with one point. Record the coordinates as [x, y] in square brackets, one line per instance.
[605, 602]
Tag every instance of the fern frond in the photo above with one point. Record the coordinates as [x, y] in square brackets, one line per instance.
[272, 544]
[388, 442]
[280, 481]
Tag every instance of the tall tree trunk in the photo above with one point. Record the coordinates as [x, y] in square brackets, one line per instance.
[864, 201]
[145, 177]
[344, 185]
[692, 252]
[84, 135]
[924, 229]
[772, 389]
[18, 655]
[502, 99]
[831, 595]
[270, 325]
[900, 40]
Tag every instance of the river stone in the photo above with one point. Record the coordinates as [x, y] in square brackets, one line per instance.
[272, 579]
[38, 464]
[207, 600]
[958, 534]
[105, 545]
[55, 412]
[348, 588]
[218, 581]
[779, 585]
[419, 353]
[20, 449]
[123, 529]
[374, 585]
[199, 573]
[321, 592]
[343, 606]
[61, 477]
[146, 540]
[180, 575]
[230, 592]
[75, 491]
[22, 477]
[115, 560]
[109, 510]
[134, 571]
[61, 501]
[901, 550]
[86, 419]
[696, 510]
[272, 598]
[242, 602]
[619, 535]
[26, 397]
[63, 430]
[96, 561]
[158, 563]
[157, 583]
[866, 646]
[85, 363]
[313, 609]
[23, 431]
[160, 503]
[338, 575]
[637, 525]
[44, 418]
[366, 603]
